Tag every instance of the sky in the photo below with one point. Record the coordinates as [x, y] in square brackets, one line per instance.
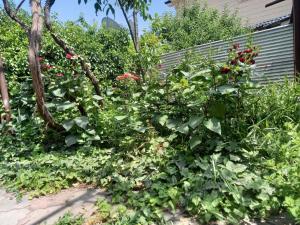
[70, 10]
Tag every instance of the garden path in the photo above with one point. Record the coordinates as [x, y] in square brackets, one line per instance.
[48, 209]
[78, 201]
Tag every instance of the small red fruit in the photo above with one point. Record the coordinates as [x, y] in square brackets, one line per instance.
[242, 60]
[233, 62]
[249, 50]
[225, 70]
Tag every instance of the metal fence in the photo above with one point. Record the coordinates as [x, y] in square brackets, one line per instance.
[274, 63]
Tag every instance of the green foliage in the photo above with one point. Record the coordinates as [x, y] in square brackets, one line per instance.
[69, 219]
[197, 25]
[205, 139]
[109, 7]
[106, 49]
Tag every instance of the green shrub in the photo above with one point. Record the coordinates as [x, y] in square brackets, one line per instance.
[197, 25]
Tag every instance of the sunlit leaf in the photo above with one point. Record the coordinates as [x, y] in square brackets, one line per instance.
[214, 125]
[82, 121]
[71, 140]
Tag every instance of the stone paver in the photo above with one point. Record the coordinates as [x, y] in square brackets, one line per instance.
[47, 210]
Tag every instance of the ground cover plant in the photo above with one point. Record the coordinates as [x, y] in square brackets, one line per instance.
[205, 139]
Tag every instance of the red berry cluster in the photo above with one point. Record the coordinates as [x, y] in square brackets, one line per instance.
[47, 66]
[238, 57]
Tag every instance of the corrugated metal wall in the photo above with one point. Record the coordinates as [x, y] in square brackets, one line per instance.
[274, 63]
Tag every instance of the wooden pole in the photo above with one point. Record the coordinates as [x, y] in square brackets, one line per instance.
[296, 21]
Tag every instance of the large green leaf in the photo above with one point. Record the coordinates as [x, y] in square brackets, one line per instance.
[214, 125]
[235, 167]
[172, 123]
[195, 141]
[82, 121]
[201, 74]
[195, 121]
[66, 105]
[120, 118]
[68, 124]
[226, 89]
[97, 97]
[59, 93]
[162, 119]
[184, 128]
[71, 140]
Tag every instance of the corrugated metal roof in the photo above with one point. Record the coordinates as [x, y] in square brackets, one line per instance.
[274, 63]
[272, 23]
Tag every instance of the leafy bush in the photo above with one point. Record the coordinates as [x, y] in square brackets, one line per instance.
[197, 25]
[205, 140]
[69, 219]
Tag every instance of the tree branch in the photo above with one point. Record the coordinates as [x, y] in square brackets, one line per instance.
[19, 6]
[129, 26]
[68, 50]
[13, 15]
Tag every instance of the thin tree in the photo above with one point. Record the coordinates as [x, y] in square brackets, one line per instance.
[34, 36]
[4, 93]
[132, 29]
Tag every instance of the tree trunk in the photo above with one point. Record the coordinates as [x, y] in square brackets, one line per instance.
[4, 92]
[34, 64]
[136, 29]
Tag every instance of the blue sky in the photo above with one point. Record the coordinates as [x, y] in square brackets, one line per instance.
[70, 10]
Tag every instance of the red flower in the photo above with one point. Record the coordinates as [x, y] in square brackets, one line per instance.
[131, 76]
[242, 60]
[249, 50]
[240, 53]
[46, 66]
[225, 70]
[69, 56]
[60, 75]
[252, 61]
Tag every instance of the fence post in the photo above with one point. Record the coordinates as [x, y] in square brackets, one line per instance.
[296, 22]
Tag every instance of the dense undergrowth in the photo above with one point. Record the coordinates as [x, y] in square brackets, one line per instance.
[204, 139]
[150, 164]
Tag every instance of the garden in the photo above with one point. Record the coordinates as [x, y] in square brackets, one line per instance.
[88, 105]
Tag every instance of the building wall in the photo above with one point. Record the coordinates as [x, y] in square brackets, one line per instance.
[251, 11]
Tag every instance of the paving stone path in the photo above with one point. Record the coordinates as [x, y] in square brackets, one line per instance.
[47, 210]
[78, 201]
